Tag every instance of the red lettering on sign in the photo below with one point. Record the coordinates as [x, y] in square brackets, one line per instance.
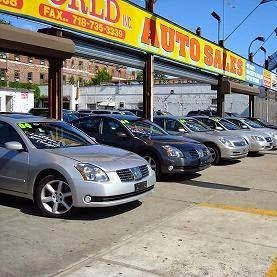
[208, 55]
[183, 40]
[167, 38]
[109, 11]
[195, 50]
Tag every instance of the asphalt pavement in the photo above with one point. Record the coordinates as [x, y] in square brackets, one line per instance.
[220, 222]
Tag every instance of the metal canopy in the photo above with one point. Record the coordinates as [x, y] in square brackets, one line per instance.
[34, 44]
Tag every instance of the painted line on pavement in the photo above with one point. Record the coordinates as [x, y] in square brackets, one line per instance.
[240, 209]
[272, 272]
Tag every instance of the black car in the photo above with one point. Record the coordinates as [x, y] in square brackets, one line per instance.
[165, 153]
[202, 112]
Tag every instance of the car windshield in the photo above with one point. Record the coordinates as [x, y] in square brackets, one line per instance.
[49, 135]
[253, 124]
[68, 117]
[143, 128]
[228, 125]
[261, 122]
[194, 125]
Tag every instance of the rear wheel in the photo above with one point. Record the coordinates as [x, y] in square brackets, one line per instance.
[53, 196]
[215, 153]
[154, 163]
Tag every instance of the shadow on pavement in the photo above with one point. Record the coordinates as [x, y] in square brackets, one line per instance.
[228, 162]
[215, 186]
[26, 206]
[179, 177]
[254, 155]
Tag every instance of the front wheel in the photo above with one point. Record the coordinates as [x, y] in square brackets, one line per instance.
[154, 163]
[53, 196]
[215, 154]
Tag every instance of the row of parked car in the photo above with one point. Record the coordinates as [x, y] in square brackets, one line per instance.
[61, 166]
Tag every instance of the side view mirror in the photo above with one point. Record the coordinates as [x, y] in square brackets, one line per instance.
[14, 145]
[121, 135]
[182, 130]
[218, 128]
[244, 127]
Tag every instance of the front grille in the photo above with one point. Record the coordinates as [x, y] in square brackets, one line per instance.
[268, 139]
[239, 143]
[127, 175]
[193, 153]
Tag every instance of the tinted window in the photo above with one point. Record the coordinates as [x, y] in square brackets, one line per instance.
[210, 123]
[194, 125]
[89, 125]
[111, 127]
[228, 125]
[238, 123]
[173, 125]
[7, 134]
[253, 124]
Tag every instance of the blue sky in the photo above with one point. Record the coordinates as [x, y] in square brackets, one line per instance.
[191, 14]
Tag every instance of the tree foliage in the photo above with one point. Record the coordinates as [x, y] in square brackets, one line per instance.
[102, 76]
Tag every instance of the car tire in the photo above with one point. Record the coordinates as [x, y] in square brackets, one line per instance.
[154, 162]
[215, 153]
[53, 196]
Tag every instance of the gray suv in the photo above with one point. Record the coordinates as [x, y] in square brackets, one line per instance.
[221, 146]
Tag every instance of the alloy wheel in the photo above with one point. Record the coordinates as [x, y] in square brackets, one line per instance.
[56, 197]
[213, 153]
[152, 162]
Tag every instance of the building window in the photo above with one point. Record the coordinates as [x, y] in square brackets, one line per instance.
[42, 78]
[64, 78]
[30, 77]
[17, 57]
[81, 65]
[30, 59]
[72, 64]
[3, 55]
[214, 101]
[2, 74]
[16, 75]
[42, 61]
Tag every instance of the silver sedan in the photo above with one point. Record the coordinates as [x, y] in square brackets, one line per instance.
[61, 168]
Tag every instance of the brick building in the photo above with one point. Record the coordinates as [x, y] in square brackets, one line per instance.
[24, 69]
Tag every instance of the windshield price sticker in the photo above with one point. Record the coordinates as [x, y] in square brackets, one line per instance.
[125, 122]
[25, 126]
[183, 121]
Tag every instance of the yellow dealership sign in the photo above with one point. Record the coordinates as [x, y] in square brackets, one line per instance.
[125, 23]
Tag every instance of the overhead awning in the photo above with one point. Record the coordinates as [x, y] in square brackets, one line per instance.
[34, 44]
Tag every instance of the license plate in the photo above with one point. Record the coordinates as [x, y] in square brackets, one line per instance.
[141, 186]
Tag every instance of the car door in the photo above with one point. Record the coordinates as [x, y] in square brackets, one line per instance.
[14, 165]
[113, 134]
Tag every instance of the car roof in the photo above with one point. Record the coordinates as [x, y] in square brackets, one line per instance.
[174, 117]
[116, 116]
[16, 117]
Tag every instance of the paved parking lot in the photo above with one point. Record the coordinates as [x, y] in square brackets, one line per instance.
[221, 222]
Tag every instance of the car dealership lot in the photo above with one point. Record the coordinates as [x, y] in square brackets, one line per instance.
[220, 222]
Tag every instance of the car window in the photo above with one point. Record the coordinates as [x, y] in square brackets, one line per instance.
[236, 122]
[48, 135]
[159, 121]
[89, 125]
[8, 133]
[228, 125]
[173, 125]
[210, 123]
[111, 127]
[253, 124]
[194, 125]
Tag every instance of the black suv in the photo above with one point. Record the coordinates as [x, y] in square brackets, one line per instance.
[165, 153]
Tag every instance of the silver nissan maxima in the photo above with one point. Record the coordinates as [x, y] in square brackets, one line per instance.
[60, 168]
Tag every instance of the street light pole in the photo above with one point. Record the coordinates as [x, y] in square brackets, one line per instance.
[218, 18]
[250, 54]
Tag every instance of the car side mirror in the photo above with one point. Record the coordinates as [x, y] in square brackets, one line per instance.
[182, 130]
[244, 127]
[13, 145]
[121, 135]
[218, 128]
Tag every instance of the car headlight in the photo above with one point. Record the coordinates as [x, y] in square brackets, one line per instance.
[226, 142]
[92, 173]
[257, 138]
[172, 151]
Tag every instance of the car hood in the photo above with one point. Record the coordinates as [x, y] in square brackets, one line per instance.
[105, 157]
[248, 133]
[219, 134]
[179, 142]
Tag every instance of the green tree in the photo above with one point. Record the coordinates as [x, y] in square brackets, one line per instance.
[71, 80]
[140, 76]
[102, 76]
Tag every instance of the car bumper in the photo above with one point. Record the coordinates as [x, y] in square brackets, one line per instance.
[184, 165]
[231, 153]
[111, 193]
[260, 146]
